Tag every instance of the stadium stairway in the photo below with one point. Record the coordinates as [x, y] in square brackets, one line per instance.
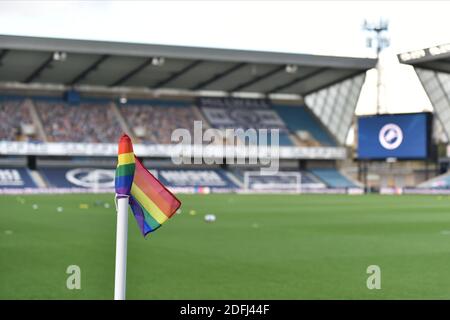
[234, 179]
[37, 178]
[36, 120]
[296, 140]
[206, 125]
[123, 124]
[440, 182]
[199, 115]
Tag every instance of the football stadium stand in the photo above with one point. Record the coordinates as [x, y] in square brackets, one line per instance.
[439, 182]
[151, 121]
[333, 178]
[154, 121]
[236, 114]
[62, 118]
[92, 122]
[304, 124]
[15, 119]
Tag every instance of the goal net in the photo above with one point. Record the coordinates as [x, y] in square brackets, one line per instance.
[280, 182]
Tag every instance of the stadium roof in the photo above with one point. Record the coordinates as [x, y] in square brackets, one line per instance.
[432, 66]
[111, 64]
[435, 58]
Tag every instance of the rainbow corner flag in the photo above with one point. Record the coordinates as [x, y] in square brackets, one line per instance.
[152, 203]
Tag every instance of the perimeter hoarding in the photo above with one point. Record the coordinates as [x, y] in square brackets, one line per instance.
[401, 136]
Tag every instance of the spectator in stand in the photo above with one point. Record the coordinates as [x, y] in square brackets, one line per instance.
[13, 114]
[158, 122]
[87, 122]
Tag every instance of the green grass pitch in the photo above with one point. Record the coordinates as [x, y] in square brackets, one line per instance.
[260, 247]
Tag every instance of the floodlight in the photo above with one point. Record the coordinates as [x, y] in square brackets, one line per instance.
[291, 68]
[59, 56]
[158, 61]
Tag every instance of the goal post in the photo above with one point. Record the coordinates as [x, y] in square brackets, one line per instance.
[287, 181]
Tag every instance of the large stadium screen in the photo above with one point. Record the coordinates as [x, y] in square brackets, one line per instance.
[401, 136]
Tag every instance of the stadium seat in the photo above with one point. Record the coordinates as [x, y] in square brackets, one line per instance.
[14, 118]
[298, 118]
[90, 121]
[255, 117]
[154, 121]
[439, 182]
[332, 178]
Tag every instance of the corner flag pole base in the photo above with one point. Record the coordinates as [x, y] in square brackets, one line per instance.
[121, 247]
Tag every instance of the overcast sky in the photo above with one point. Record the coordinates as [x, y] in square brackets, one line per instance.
[319, 27]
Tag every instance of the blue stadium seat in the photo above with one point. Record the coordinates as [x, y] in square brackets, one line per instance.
[332, 178]
[439, 182]
[300, 118]
[158, 118]
[285, 140]
[260, 117]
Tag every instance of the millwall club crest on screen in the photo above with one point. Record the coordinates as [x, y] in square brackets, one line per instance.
[91, 178]
[400, 136]
[390, 136]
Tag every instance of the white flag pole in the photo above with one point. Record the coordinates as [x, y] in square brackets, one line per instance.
[121, 247]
